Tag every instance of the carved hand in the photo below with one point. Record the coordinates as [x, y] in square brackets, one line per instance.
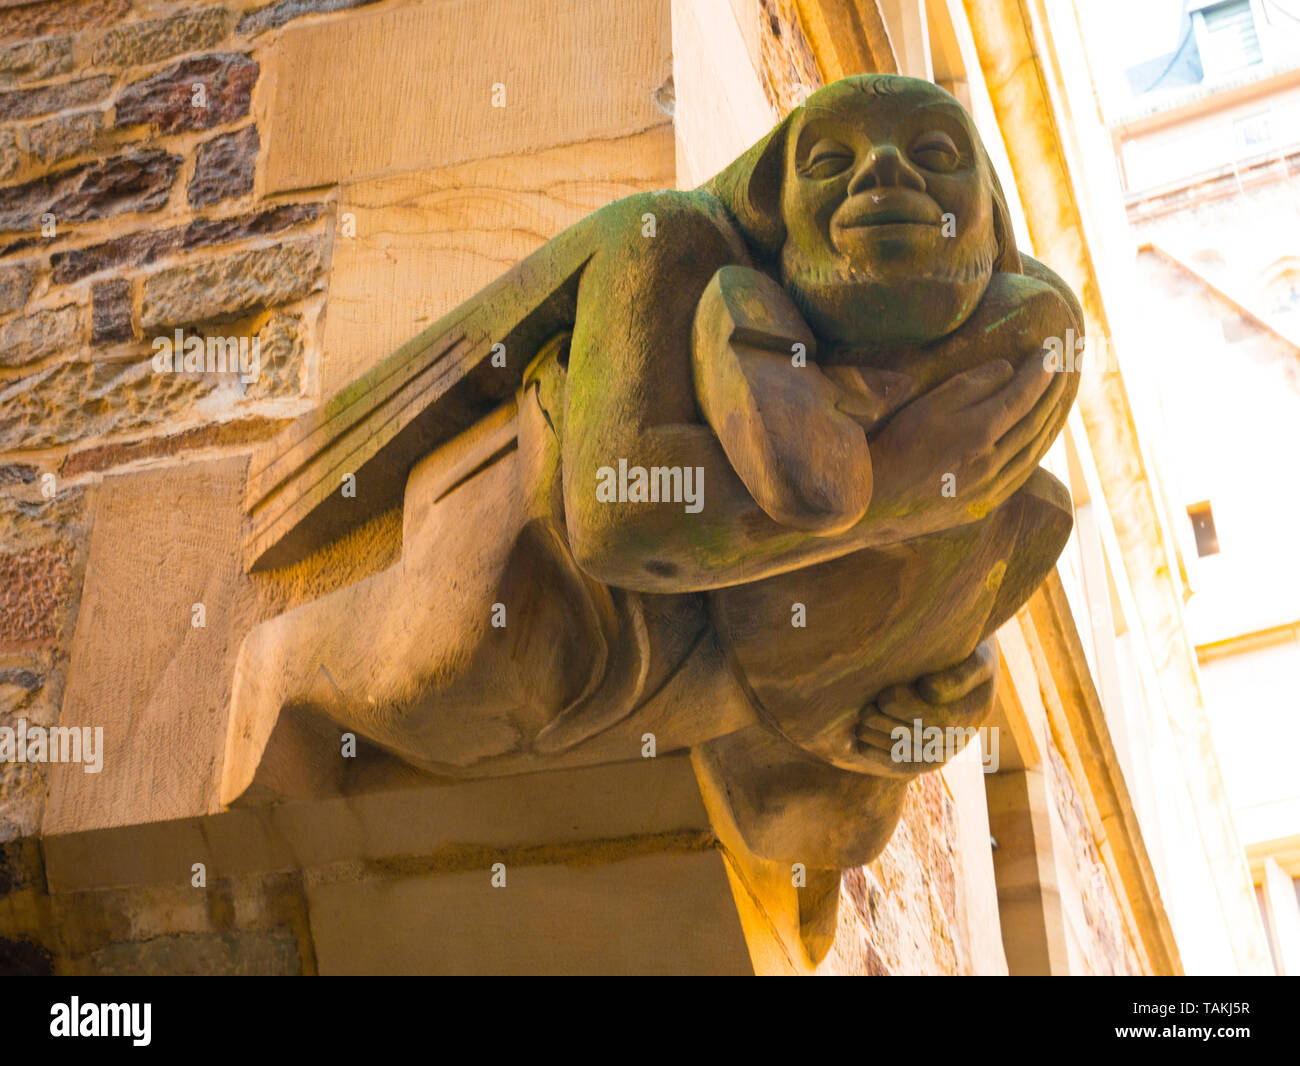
[960, 696]
[959, 451]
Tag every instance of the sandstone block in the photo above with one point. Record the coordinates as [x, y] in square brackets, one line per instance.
[334, 105]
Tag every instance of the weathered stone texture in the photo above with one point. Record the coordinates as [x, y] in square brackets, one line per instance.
[64, 136]
[246, 953]
[39, 335]
[35, 60]
[110, 303]
[206, 231]
[23, 785]
[28, 103]
[167, 99]
[83, 400]
[245, 925]
[134, 249]
[141, 249]
[900, 915]
[23, 958]
[20, 866]
[9, 158]
[787, 65]
[59, 16]
[275, 15]
[282, 357]
[230, 286]
[1104, 939]
[15, 286]
[138, 43]
[134, 181]
[32, 592]
[16, 474]
[223, 167]
[26, 680]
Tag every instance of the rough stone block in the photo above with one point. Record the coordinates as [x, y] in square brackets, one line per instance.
[17, 474]
[273, 16]
[170, 101]
[27, 21]
[138, 43]
[64, 136]
[282, 357]
[35, 60]
[223, 167]
[15, 286]
[110, 309]
[231, 285]
[205, 231]
[33, 586]
[9, 158]
[223, 435]
[28, 103]
[273, 953]
[143, 248]
[134, 181]
[38, 335]
[80, 400]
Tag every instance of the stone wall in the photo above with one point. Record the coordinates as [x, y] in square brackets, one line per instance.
[901, 915]
[127, 211]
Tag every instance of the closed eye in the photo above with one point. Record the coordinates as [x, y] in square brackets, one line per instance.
[826, 160]
[935, 150]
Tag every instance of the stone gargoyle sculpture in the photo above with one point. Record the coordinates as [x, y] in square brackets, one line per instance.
[752, 468]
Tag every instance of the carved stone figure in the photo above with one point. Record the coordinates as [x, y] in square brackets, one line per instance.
[752, 468]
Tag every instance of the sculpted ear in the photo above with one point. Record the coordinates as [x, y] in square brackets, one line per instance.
[751, 190]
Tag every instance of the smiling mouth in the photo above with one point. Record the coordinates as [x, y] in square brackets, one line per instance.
[888, 207]
[888, 218]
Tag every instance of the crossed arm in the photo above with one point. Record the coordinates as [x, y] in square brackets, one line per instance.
[799, 464]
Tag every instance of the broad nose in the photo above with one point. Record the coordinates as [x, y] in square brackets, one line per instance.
[884, 167]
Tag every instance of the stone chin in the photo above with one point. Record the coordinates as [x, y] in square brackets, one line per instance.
[890, 303]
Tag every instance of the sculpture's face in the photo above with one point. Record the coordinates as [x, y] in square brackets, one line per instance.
[888, 209]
